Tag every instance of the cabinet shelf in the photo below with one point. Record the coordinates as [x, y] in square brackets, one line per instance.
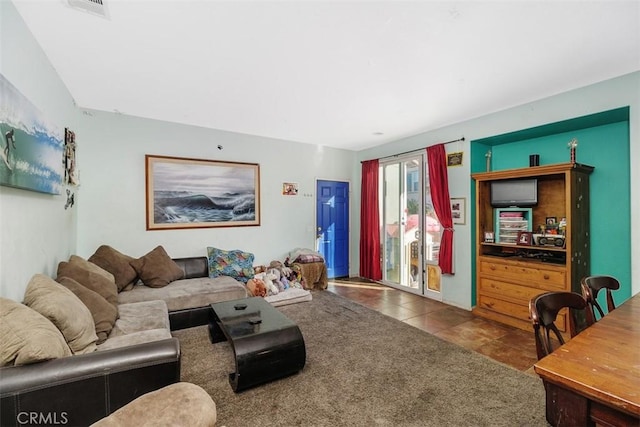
[526, 247]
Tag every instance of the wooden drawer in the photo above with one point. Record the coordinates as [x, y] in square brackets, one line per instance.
[511, 291]
[518, 311]
[548, 279]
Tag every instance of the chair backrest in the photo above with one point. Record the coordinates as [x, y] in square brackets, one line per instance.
[544, 309]
[591, 285]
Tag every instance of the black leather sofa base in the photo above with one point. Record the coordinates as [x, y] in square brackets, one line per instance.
[188, 318]
[79, 390]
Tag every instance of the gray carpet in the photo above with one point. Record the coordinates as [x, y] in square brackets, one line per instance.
[366, 369]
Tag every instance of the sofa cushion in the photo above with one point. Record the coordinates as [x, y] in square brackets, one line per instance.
[235, 263]
[64, 310]
[104, 314]
[156, 269]
[117, 264]
[89, 279]
[141, 316]
[135, 338]
[75, 259]
[188, 293]
[27, 336]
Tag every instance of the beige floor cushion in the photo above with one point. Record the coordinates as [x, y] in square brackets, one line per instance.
[179, 404]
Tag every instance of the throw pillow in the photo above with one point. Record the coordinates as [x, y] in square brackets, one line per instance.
[64, 310]
[87, 278]
[104, 314]
[156, 269]
[27, 336]
[234, 263]
[75, 259]
[117, 264]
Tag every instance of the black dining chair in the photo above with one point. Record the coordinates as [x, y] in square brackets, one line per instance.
[591, 285]
[544, 310]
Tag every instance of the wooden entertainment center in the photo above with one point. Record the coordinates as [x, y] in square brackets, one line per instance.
[509, 275]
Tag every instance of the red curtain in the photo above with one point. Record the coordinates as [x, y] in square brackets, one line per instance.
[370, 222]
[439, 182]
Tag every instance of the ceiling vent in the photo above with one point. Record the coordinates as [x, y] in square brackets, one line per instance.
[94, 7]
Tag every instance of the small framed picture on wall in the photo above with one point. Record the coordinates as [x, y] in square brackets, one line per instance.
[454, 159]
[289, 189]
[458, 210]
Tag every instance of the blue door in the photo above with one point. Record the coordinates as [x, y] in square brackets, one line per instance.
[332, 222]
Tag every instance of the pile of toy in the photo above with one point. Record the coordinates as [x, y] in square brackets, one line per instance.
[274, 279]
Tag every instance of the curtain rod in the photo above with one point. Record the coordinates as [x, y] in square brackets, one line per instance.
[417, 149]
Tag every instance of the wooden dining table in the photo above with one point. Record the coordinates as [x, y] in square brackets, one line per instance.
[595, 377]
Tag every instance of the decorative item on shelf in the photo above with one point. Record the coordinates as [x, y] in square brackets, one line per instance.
[488, 237]
[488, 157]
[548, 239]
[573, 145]
[525, 238]
[534, 160]
[562, 225]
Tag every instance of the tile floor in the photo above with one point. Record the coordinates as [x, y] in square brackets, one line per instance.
[506, 344]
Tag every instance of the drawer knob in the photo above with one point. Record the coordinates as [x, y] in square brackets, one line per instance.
[546, 277]
[492, 267]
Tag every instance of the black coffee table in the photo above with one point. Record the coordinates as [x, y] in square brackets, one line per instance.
[266, 344]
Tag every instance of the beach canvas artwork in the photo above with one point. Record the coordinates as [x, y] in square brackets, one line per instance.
[31, 147]
[197, 193]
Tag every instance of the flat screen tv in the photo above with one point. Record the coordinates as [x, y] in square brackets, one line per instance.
[514, 192]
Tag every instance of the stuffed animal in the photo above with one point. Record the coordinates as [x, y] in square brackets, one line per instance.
[277, 279]
[285, 282]
[256, 287]
[267, 279]
[284, 273]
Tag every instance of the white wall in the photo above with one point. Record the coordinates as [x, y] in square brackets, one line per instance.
[36, 232]
[607, 95]
[112, 192]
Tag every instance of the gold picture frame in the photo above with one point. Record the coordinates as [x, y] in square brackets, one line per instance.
[199, 193]
[454, 159]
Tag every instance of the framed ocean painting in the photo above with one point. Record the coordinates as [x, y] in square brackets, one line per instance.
[31, 147]
[199, 193]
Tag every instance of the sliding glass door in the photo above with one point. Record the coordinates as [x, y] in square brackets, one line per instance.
[408, 224]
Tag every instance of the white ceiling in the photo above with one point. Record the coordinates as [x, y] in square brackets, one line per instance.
[349, 74]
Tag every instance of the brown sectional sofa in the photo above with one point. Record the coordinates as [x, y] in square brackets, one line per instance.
[138, 356]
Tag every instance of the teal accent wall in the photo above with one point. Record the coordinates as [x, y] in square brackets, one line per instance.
[603, 142]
